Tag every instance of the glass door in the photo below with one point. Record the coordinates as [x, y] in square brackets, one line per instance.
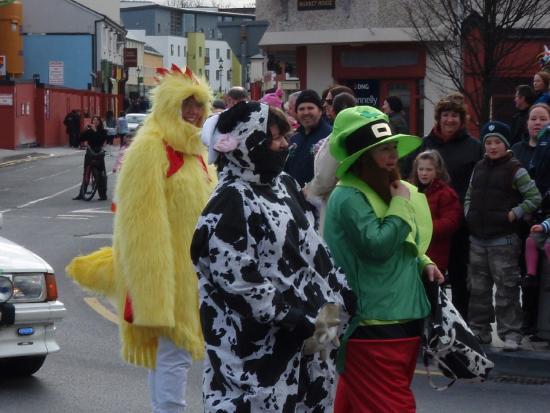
[406, 90]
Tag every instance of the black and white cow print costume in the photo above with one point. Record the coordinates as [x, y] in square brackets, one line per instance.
[264, 273]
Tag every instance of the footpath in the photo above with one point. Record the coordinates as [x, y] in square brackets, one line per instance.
[10, 157]
[531, 364]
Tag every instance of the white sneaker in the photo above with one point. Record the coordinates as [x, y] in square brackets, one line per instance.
[510, 345]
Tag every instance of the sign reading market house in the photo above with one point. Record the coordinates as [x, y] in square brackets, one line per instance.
[316, 4]
[130, 57]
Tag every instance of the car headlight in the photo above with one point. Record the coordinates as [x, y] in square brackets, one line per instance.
[28, 288]
[6, 289]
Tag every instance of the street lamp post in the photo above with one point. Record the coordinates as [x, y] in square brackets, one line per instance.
[220, 72]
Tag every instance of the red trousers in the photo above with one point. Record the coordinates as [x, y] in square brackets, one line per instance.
[377, 376]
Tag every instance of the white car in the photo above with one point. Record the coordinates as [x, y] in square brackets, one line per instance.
[134, 121]
[29, 310]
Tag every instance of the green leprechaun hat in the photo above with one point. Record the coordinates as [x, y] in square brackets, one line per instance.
[375, 131]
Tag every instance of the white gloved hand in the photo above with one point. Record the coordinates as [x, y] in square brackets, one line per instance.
[326, 324]
[326, 331]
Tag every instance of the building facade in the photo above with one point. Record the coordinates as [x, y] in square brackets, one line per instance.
[366, 45]
[54, 35]
[369, 46]
[188, 37]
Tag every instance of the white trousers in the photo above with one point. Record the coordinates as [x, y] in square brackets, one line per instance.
[167, 383]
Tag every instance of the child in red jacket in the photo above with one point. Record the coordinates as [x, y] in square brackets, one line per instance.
[430, 175]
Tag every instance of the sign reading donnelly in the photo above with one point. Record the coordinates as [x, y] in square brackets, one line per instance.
[316, 4]
[367, 92]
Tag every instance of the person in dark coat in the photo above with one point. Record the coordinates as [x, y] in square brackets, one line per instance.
[524, 150]
[72, 125]
[312, 129]
[523, 100]
[95, 136]
[460, 151]
[393, 107]
[541, 84]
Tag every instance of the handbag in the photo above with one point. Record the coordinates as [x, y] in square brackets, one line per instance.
[449, 344]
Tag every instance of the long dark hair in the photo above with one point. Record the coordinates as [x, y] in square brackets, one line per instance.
[100, 127]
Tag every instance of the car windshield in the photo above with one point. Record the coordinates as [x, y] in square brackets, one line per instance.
[135, 118]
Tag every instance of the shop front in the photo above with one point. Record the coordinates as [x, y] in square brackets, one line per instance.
[379, 70]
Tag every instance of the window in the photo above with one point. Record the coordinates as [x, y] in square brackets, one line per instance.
[175, 23]
[229, 75]
[207, 74]
[217, 54]
[206, 56]
[200, 72]
[200, 51]
[171, 50]
[228, 54]
[184, 51]
[218, 74]
[158, 27]
[178, 50]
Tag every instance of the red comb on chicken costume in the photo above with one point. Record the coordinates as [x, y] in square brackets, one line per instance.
[162, 188]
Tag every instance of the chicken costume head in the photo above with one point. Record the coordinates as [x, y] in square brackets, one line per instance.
[174, 87]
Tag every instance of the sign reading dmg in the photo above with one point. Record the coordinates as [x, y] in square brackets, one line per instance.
[316, 4]
[366, 91]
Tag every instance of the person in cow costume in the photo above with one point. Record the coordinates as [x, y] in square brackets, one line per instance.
[272, 300]
[162, 189]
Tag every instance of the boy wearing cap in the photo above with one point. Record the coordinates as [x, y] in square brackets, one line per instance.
[500, 193]
[378, 229]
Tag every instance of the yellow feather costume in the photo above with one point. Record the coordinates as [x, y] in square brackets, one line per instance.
[154, 224]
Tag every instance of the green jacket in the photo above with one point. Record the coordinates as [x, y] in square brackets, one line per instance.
[381, 248]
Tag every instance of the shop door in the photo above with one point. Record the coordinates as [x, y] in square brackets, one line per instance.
[407, 91]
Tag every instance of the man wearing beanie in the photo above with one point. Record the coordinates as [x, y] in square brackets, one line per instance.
[500, 194]
[312, 129]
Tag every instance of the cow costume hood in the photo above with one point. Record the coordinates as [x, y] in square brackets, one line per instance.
[243, 139]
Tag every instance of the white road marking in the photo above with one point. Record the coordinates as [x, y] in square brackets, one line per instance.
[98, 236]
[100, 210]
[51, 176]
[73, 216]
[48, 197]
[61, 217]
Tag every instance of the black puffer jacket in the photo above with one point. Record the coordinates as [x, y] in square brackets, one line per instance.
[460, 155]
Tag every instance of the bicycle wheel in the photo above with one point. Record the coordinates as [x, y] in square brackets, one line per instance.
[91, 188]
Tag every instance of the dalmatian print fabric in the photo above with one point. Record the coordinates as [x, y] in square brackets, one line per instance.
[264, 273]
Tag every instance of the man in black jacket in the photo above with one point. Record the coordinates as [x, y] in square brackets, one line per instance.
[72, 124]
[312, 129]
[523, 100]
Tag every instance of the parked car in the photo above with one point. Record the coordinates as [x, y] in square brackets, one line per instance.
[134, 120]
[29, 310]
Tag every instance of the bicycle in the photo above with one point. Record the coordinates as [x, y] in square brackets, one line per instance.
[92, 174]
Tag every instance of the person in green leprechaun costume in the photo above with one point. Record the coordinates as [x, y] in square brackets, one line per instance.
[378, 229]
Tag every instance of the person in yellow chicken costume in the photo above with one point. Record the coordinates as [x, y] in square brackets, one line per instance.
[163, 186]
